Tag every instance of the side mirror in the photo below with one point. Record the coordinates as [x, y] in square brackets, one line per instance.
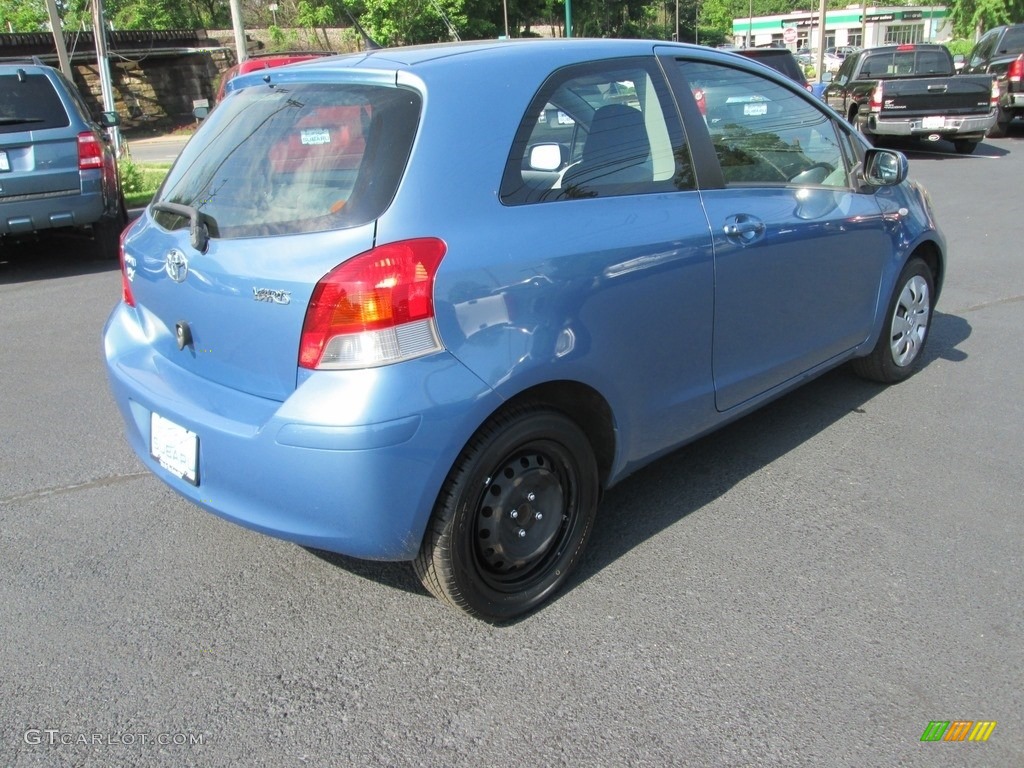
[546, 157]
[826, 77]
[885, 167]
[110, 119]
[200, 112]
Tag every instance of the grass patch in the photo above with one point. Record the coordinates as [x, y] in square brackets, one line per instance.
[139, 181]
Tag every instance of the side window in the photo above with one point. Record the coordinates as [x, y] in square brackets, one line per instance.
[846, 70]
[598, 131]
[764, 133]
[983, 50]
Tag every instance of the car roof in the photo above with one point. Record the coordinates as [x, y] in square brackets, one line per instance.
[534, 55]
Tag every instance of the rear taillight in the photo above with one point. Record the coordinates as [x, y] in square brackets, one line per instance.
[702, 105]
[993, 101]
[905, 47]
[376, 308]
[1015, 71]
[127, 274]
[90, 151]
[875, 105]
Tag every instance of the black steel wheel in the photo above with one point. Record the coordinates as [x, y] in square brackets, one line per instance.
[899, 350]
[513, 516]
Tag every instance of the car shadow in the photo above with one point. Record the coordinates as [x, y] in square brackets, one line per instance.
[694, 476]
[50, 256]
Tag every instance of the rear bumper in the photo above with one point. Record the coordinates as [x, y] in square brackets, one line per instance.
[352, 462]
[953, 127]
[23, 215]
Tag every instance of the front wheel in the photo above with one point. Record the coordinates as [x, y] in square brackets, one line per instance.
[898, 351]
[514, 515]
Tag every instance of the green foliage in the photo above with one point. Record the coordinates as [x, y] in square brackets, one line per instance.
[960, 45]
[971, 16]
[132, 179]
[23, 15]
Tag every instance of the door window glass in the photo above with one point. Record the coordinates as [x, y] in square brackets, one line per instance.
[765, 133]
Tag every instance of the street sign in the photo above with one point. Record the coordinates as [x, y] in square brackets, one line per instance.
[789, 34]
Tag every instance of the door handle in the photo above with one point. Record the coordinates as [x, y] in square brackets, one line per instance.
[743, 227]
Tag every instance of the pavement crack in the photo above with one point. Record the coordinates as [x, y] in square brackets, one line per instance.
[993, 303]
[71, 488]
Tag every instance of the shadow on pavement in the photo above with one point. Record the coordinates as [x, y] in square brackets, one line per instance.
[51, 255]
[684, 481]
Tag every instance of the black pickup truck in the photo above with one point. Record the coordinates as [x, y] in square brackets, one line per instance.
[1000, 53]
[913, 91]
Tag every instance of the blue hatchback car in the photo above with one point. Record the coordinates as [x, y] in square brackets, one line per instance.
[403, 305]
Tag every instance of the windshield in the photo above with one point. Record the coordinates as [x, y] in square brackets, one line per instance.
[294, 158]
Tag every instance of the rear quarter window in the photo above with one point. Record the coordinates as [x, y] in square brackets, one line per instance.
[30, 104]
[295, 158]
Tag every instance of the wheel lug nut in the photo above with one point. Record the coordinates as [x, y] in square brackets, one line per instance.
[514, 514]
[531, 496]
[522, 533]
[538, 516]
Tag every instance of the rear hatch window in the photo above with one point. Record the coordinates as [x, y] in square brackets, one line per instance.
[30, 103]
[294, 158]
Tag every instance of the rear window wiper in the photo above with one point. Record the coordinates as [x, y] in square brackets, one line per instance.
[19, 120]
[198, 232]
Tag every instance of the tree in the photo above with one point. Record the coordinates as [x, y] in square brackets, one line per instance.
[23, 15]
[972, 16]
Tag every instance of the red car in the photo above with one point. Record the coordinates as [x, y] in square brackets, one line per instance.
[265, 61]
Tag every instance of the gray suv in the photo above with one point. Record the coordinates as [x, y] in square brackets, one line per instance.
[57, 168]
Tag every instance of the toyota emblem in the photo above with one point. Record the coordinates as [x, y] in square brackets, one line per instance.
[176, 265]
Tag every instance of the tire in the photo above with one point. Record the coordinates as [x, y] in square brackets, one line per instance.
[898, 352]
[861, 127]
[106, 233]
[1002, 124]
[964, 146]
[513, 516]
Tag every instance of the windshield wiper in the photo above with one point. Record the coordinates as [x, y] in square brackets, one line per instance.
[198, 232]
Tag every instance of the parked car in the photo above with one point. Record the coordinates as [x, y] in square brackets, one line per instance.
[58, 170]
[913, 91]
[261, 61]
[382, 307]
[1000, 52]
[779, 59]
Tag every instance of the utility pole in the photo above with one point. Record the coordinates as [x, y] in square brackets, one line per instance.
[103, 66]
[58, 39]
[568, 18]
[236, 25]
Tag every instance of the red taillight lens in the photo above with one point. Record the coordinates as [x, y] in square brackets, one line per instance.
[876, 99]
[702, 105]
[374, 309]
[126, 276]
[1015, 71]
[90, 151]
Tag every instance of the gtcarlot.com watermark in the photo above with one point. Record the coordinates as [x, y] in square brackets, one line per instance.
[35, 737]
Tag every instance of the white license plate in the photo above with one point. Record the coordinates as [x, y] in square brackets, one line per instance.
[5, 163]
[929, 123]
[176, 448]
[755, 109]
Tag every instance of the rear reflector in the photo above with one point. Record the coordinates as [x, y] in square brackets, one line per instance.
[126, 277]
[376, 308]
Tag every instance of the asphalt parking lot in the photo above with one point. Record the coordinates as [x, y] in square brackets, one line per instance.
[811, 586]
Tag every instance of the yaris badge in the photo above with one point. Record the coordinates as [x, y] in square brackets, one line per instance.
[176, 265]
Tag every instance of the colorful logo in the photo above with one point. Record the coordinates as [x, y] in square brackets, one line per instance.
[958, 730]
